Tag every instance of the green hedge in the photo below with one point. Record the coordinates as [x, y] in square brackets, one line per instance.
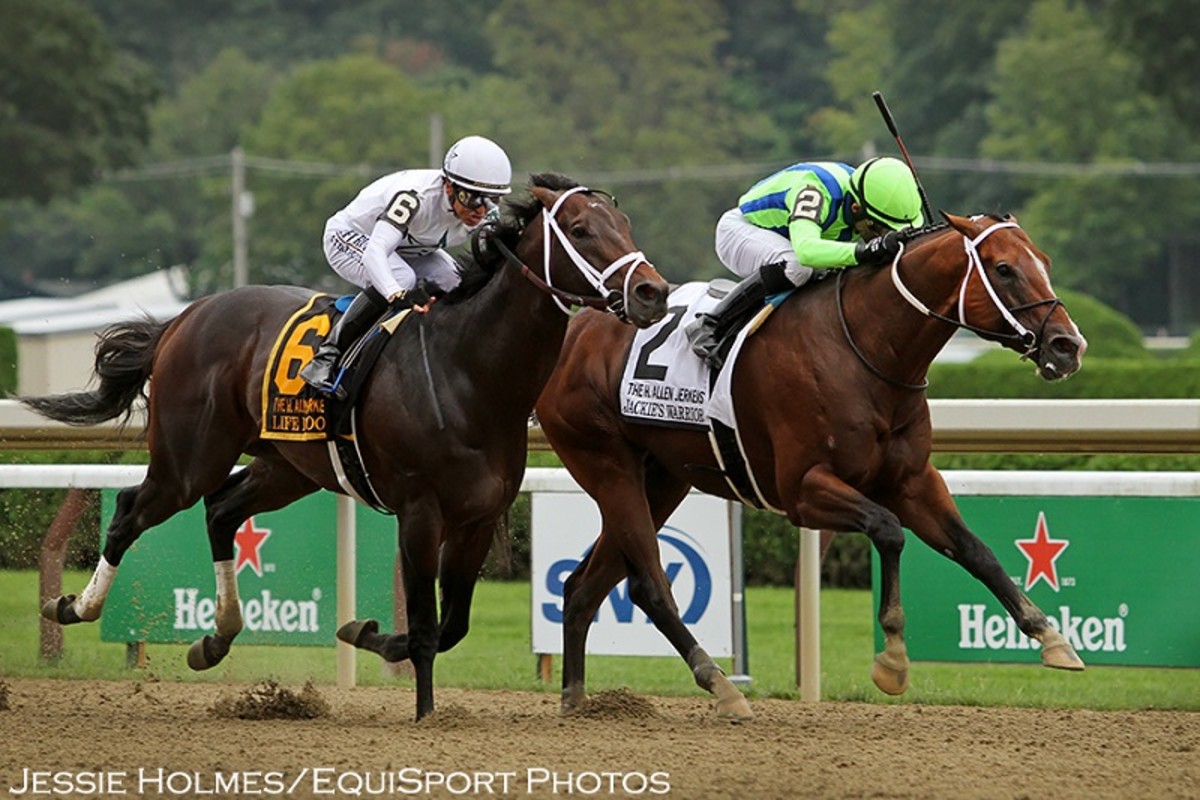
[1099, 378]
[26, 514]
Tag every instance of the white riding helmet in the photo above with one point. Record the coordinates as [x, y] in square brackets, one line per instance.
[479, 165]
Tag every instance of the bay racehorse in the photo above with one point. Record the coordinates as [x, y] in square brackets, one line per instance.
[443, 416]
[834, 425]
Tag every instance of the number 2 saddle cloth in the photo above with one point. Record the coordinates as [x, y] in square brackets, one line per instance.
[664, 383]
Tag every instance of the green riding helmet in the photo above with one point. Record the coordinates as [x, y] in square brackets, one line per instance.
[887, 191]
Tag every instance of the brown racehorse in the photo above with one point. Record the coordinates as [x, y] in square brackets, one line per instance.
[443, 416]
[834, 425]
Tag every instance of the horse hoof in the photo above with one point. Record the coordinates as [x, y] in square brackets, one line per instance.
[353, 632]
[572, 702]
[61, 610]
[1062, 656]
[889, 679]
[206, 653]
[735, 709]
[731, 704]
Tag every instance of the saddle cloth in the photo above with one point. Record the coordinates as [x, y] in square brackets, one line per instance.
[291, 409]
[294, 411]
[664, 383]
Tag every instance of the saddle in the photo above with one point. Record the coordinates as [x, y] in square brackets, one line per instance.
[294, 411]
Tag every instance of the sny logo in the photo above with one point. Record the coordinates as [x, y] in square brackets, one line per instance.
[622, 605]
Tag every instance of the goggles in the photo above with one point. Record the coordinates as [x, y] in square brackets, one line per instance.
[472, 200]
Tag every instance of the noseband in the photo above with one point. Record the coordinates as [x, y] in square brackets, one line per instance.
[1031, 341]
[606, 299]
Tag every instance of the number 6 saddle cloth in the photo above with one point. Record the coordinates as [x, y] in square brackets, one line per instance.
[294, 411]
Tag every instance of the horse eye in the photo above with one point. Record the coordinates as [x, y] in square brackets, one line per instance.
[579, 231]
[1004, 270]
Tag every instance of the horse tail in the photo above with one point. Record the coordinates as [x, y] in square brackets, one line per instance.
[124, 356]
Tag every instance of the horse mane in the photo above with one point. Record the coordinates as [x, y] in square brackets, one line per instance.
[516, 214]
[909, 235]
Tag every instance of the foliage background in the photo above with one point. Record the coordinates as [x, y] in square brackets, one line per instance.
[1077, 115]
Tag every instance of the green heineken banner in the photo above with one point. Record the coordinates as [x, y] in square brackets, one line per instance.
[1118, 576]
[286, 563]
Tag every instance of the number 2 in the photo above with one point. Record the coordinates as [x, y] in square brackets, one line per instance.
[808, 205]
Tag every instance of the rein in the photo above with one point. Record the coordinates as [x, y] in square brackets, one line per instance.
[878, 373]
[1030, 340]
[608, 300]
[1022, 335]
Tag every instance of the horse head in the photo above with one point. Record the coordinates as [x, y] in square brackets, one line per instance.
[1006, 296]
[588, 256]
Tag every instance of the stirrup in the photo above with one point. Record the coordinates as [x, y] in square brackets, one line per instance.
[328, 379]
[703, 335]
[334, 389]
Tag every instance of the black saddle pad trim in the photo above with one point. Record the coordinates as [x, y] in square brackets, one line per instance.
[735, 466]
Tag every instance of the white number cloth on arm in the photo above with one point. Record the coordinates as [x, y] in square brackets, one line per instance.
[409, 220]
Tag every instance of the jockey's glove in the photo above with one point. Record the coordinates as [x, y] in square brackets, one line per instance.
[879, 250]
[417, 296]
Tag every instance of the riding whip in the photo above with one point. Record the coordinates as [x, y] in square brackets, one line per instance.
[891, 123]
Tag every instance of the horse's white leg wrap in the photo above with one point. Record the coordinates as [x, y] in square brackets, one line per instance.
[229, 608]
[91, 600]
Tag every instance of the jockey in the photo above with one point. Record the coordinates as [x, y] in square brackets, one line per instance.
[806, 217]
[390, 240]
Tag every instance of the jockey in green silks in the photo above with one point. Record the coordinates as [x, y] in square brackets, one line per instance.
[806, 217]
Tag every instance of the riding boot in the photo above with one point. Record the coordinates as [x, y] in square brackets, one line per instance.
[321, 372]
[709, 329]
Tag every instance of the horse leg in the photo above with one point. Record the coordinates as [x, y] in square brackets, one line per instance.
[138, 508]
[419, 560]
[265, 485]
[827, 502]
[584, 590]
[650, 589]
[419, 525]
[628, 544]
[929, 511]
[462, 557]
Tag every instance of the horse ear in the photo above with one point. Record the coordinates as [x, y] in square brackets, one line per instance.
[546, 196]
[961, 224]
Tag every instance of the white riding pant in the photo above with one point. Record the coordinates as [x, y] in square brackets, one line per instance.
[344, 251]
[743, 247]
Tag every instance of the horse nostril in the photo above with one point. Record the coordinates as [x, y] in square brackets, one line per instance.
[650, 293]
[1066, 346]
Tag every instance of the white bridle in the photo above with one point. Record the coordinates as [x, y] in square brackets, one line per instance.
[974, 264]
[593, 276]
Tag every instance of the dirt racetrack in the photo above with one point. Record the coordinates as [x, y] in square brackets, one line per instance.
[71, 738]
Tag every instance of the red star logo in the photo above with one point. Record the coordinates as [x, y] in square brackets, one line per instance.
[1042, 552]
[248, 540]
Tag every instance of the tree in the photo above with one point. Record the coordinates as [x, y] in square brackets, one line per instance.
[180, 39]
[355, 110]
[600, 88]
[212, 109]
[934, 62]
[70, 104]
[1165, 37]
[776, 53]
[861, 53]
[1107, 232]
